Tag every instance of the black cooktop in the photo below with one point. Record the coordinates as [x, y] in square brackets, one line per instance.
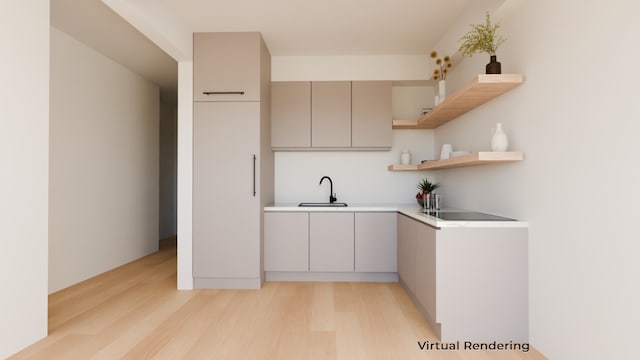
[467, 216]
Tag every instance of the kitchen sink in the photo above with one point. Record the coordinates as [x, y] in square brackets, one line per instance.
[322, 204]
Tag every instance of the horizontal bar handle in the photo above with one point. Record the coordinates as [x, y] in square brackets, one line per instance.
[223, 92]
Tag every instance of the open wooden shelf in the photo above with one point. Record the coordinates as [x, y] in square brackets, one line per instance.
[479, 158]
[478, 91]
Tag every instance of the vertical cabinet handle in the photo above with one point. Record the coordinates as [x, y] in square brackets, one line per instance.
[254, 175]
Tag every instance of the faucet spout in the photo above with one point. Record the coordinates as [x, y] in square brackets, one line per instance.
[332, 196]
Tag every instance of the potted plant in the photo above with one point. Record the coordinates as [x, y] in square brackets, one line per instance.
[483, 38]
[425, 187]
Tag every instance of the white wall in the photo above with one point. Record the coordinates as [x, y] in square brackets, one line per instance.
[185, 175]
[24, 145]
[168, 169]
[359, 177]
[103, 164]
[576, 119]
[165, 30]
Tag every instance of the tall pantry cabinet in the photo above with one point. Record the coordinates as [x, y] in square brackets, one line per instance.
[232, 158]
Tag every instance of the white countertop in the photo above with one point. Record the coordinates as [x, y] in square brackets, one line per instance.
[411, 210]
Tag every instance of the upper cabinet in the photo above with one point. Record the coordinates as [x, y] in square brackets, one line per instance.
[331, 115]
[230, 75]
[291, 114]
[371, 111]
[476, 92]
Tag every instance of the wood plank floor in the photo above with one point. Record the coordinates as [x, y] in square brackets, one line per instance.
[134, 312]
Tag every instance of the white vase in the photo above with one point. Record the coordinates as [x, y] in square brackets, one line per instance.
[499, 140]
[446, 151]
[442, 90]
[405, 157]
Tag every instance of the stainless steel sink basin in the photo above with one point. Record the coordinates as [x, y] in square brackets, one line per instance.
[322, 204]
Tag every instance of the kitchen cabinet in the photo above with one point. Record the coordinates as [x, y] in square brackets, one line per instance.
[232, 168]
[286, 241]
[425, 282]
[408, 235]
[330, 245]
[376, 242]
[291, 114]
[470, 283]
[371, 114]
[331, 114]
[228, 66]
[331, 242]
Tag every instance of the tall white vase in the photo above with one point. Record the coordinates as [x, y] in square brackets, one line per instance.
[442, 90]
[499, 140]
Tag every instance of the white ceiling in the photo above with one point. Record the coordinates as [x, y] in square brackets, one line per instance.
[289, 27]
[325, 27]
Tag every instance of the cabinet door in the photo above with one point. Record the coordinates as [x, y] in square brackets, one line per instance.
[286, 242]
[226, 63]
[226, 211]
[406, 252]
[291, 114]
[426, 268]
[371, 117]
[331, 242]
[331, 114]
[376, 243]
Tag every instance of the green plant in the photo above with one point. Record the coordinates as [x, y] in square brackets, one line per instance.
[481, 38]
[443, 65]
[426, 187]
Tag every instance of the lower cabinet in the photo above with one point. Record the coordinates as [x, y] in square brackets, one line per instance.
[408, 234]
[471, 284]
[286, 241]
[330, 246]
[376, 243]
[416, 263]
[331, 242]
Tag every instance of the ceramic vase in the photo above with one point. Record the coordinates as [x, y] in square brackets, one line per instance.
[442, 90]
[499, 140]
[493, 67]
[405, 157]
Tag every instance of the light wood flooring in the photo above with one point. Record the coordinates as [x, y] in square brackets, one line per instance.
[135, 312]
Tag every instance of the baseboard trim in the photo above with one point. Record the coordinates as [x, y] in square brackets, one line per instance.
[227, 283]
[331, 276]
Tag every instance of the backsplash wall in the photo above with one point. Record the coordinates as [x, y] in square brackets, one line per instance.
[358, 176]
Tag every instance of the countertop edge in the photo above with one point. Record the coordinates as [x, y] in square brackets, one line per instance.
[410, 210]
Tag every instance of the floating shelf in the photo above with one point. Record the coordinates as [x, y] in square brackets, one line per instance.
[478, 91]
[479, 158]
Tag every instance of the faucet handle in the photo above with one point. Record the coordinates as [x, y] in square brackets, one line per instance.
[332, 198]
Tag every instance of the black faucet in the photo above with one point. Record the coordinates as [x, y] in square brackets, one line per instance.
[332, 196]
